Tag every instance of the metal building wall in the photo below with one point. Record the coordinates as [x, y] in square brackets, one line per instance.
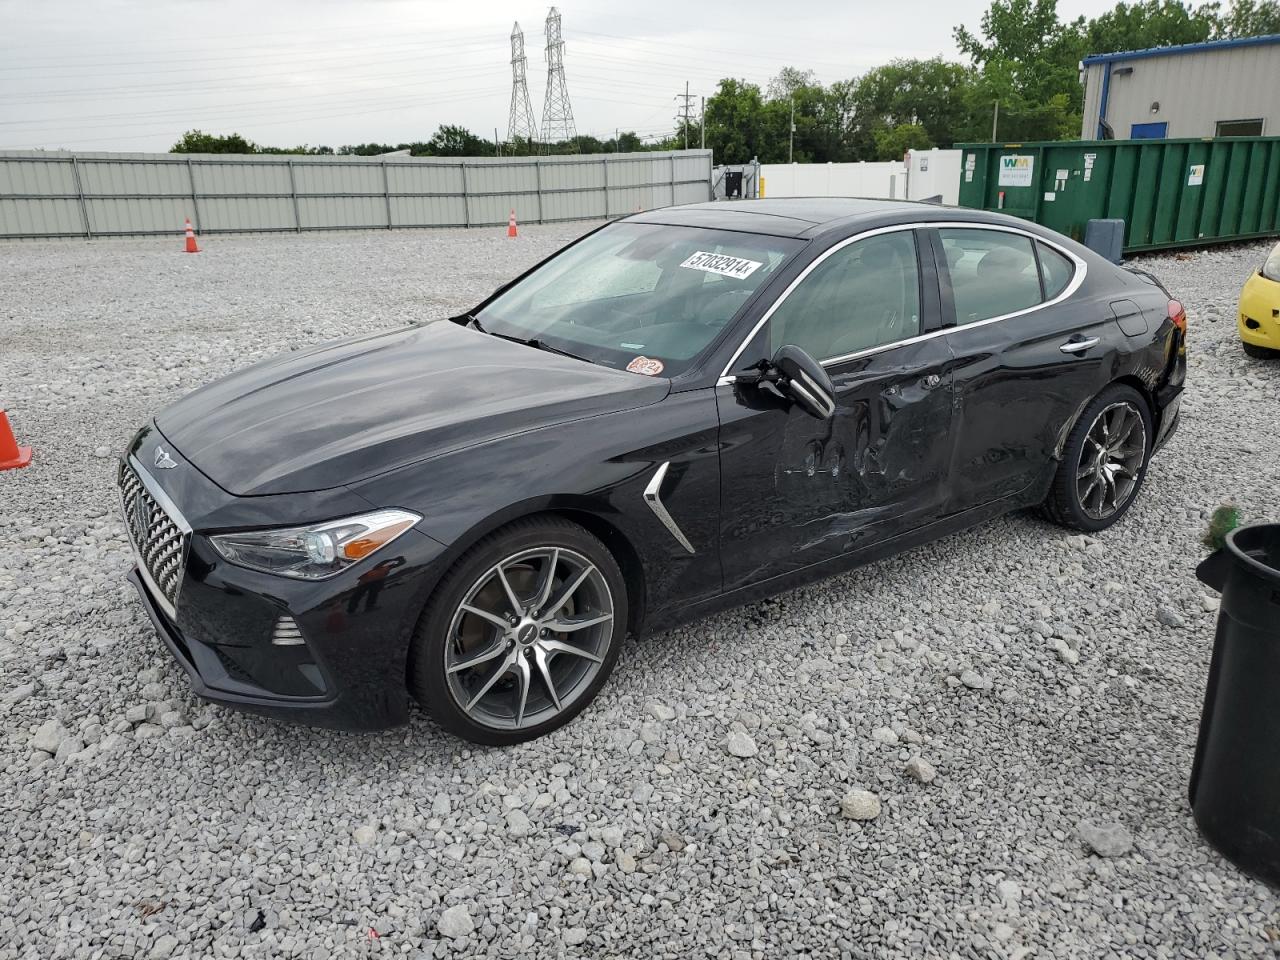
[1195, 89]
[57, 194]
[1093, 74]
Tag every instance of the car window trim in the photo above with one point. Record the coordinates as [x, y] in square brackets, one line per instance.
[1077, 280]
[1035, 255]
[942, 279]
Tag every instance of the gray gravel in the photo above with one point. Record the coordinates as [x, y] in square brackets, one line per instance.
[918, 758]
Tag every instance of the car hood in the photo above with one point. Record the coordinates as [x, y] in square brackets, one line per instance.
[346, 411]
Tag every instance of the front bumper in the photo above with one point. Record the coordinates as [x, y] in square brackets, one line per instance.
[1259, 315]
[212, 680]
[329, 653]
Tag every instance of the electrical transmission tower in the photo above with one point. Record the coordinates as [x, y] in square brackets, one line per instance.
[557, 112]
[520, 124]
[684, 114]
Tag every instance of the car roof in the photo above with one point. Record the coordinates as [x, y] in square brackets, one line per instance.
[831, 218]
[803, 217]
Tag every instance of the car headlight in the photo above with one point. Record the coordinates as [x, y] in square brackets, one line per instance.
[1271, 269]
[317, 551]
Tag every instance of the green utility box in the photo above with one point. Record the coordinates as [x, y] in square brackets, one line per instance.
[1169, 193]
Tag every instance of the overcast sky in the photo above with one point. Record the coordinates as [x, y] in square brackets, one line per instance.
[135, 74]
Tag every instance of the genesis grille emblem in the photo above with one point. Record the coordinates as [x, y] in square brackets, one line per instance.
[163, 460]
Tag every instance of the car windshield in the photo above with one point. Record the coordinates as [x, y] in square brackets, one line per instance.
[644, 297]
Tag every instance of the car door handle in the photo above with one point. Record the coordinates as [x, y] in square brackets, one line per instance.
[1078, 345]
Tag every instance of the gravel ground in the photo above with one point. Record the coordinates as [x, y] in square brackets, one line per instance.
[977, 749]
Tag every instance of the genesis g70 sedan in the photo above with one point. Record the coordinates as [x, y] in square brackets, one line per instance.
[684, 410]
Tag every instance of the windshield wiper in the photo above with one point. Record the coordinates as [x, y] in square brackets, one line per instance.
[543, 345]
[534, 342]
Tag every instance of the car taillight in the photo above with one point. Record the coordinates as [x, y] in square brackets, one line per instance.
[1178, 315]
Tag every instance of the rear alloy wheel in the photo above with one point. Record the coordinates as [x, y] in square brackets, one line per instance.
[521, 634]
[1103, 463]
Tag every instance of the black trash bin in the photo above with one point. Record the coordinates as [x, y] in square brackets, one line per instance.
[1235, 779]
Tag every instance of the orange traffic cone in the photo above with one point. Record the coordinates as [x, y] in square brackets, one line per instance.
[191, 239]
[511, 224]
[12, 456]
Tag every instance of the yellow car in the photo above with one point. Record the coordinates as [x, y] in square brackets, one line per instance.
[1260, 309]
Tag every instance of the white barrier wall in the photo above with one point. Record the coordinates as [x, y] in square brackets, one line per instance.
[59, 194]
[933, 173]
[834, 180]
[927, 173]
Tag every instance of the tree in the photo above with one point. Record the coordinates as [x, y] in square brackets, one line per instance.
[197, 141]
[932, 95]
[734, 119]
[1027, 60]
[368, 149]
[788, 81]
[1248, 18]
[306, 149]
[454, 141]
[628, 142]
[1153, 23]
[893, 142]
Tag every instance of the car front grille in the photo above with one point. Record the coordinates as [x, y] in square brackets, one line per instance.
[159, 541]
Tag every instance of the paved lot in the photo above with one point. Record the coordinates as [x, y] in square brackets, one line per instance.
[1030, 668]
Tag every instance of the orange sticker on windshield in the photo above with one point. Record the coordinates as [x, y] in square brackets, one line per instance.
[650, 368]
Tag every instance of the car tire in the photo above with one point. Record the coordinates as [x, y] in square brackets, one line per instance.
[544, 676]
[1099, 478]
[1260, 353]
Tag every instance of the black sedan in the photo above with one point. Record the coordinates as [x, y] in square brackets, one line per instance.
[685, 410]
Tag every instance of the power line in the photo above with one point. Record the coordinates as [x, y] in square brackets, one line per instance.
[364, 53]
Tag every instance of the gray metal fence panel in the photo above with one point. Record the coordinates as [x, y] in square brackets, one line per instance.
[52, 194]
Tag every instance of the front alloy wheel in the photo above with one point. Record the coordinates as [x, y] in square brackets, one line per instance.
[521, 633]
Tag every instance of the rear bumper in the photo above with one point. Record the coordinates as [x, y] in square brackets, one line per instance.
[374, 708]
[1169, 406]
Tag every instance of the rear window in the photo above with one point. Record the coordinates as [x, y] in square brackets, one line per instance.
[1055, 269]
[993, 273]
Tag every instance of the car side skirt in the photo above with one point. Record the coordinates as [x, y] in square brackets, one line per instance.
[667, 619]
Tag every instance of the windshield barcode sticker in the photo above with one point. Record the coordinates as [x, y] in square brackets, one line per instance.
[724, 265]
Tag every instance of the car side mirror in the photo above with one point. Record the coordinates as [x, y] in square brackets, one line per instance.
[802, 378]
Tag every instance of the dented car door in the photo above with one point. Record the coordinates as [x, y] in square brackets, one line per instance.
[797, 490]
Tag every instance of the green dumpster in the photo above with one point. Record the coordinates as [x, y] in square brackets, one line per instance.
[1169, 193]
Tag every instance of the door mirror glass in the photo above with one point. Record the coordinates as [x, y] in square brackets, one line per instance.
[804, 380]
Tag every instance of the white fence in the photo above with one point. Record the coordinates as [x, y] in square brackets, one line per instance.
[925, 174]
[59, 194]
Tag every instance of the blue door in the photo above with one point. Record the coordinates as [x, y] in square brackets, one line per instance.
[1149, 131]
